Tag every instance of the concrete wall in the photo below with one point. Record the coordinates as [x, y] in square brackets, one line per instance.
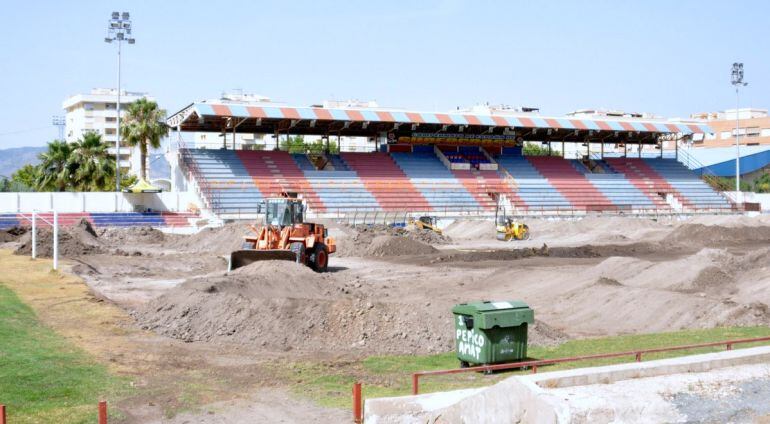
[762, 198]
[97, 202]
[531, 398]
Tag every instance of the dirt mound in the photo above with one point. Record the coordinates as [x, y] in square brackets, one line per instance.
[429, 237]
[717, 236]
[302, 311]
[12, 234]
[218, 241]
[143, 235]
[398, 246]
[73, 241]
[357, 240]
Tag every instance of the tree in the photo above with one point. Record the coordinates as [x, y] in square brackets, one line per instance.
[762, 184]
[55, 169]
[144, 126]
[537, 149]
[93, 165]
[26, 175]
[294, 145]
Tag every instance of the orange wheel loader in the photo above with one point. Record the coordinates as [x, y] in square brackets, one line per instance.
[285, 236]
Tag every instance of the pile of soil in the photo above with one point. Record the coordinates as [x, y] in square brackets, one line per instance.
[281, 306]
[382, 246]
[12, 234]
[218, 241]
[358, 240]
[717, 235]
[119, 236]
[74, 241]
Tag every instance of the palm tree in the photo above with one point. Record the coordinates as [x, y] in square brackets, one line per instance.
[55, 167]
[93, 165]
[144, 126]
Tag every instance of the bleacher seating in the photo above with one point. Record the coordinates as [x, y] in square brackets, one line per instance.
[236, 181]
[616, 187]
[436, 183]
[101, 219]
[534, 190]
[276, 172]
[228, 186]
[338, 163]
[473, 155]
[386, 181]
[303, 162]
[695, 191]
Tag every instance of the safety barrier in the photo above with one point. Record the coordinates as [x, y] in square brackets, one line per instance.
[533, 365]
[101, 413]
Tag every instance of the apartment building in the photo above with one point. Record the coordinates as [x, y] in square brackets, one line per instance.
[96, 111]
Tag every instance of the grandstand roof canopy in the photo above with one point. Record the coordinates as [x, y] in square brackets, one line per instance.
[272, 118]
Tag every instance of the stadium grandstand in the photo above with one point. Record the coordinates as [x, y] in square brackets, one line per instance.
[458, 163]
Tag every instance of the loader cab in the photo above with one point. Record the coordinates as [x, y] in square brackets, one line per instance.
[283, 212]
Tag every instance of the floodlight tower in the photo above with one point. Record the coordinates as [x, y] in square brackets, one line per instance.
[737, 81]
[119, 30]
[59, 122]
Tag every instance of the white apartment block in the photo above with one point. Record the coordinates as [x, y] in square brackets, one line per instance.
[97, 111]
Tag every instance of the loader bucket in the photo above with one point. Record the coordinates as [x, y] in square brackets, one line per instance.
[241, 258]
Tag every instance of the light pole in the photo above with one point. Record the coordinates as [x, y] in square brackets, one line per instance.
[59, 122]
[737, 81]
[118, 29]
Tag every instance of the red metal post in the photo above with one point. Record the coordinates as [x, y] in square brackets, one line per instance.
[2, 414]
[102, 412]
[415, 383]
[638, 356]
[729, 346]
[358, 417]
[534, 369]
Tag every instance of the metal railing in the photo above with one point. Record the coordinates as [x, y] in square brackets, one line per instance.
[534, 364]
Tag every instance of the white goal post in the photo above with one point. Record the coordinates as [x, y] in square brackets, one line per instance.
[55, 225]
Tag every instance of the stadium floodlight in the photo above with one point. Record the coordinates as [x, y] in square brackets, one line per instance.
[736, 79]
[119, 29]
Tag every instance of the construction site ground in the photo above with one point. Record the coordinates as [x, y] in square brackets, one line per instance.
[201, 345]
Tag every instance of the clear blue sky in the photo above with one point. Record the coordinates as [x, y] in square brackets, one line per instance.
[667, 57]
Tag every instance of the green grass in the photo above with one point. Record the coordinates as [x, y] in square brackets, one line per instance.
[43, 377]
[330, 385]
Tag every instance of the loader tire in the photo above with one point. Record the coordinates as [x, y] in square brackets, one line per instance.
[319, 259]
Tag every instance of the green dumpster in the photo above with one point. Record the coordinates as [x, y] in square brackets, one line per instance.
[491, 332]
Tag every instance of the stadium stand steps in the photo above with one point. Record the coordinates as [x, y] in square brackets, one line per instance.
[237, 181]
[386, 181]
[437, 184]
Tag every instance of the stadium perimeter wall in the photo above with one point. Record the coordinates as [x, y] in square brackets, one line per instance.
[98, 202]
[762, 198]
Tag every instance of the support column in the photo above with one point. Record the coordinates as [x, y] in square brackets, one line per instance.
[676, 148]
[640, 149]
[601, 143]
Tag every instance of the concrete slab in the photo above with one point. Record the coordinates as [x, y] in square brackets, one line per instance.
[731, 386]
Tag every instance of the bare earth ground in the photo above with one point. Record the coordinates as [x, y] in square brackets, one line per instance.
[183, 320]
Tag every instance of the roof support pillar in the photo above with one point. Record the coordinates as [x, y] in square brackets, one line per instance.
[676, 146]
[601, 153]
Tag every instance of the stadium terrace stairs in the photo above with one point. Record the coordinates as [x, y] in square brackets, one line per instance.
[571, 183]
[237, 181]
[646, 179]
[275, 172]
[386, 181]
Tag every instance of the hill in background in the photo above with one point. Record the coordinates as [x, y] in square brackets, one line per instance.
[14, 158]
